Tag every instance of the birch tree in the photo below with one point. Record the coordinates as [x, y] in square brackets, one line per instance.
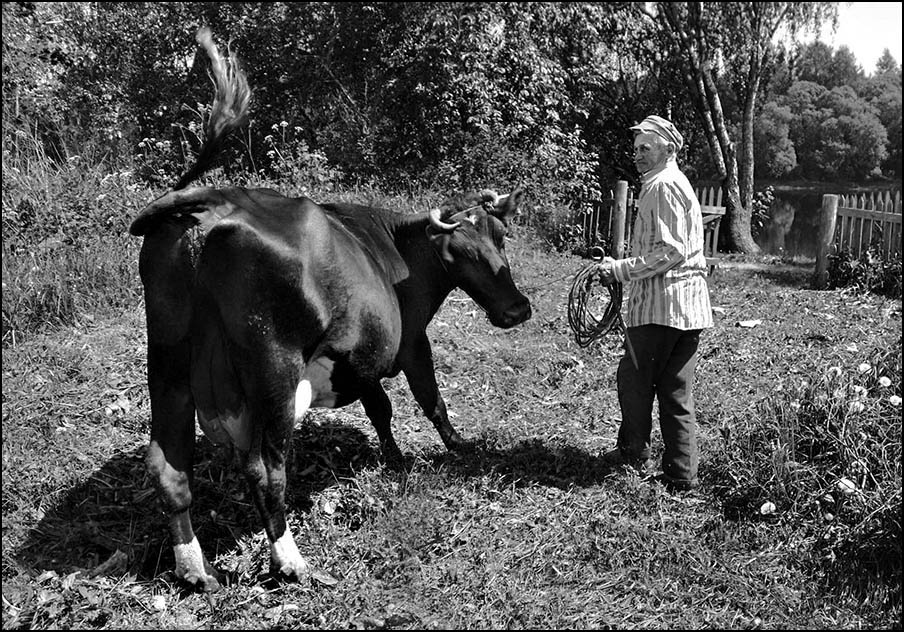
[731, 43]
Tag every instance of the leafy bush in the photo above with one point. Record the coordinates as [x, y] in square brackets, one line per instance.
[870, 273]
[294, 164]
[760, 211]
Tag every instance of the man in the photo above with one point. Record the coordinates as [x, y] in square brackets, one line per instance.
[667, 308]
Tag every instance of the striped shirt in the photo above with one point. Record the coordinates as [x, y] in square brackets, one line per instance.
[665, 275]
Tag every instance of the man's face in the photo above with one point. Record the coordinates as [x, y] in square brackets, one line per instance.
[650, 151]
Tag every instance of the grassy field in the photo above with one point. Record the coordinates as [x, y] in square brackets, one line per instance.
[529, 530]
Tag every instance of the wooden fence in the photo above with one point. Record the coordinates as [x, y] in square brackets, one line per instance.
[854, 224]
[602, 221]
[597, 216]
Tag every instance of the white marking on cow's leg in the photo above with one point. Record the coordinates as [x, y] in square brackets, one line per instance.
[190, 562]
[285, 556]
[303, 398]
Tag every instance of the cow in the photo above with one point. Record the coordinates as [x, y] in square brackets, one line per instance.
[261, 306]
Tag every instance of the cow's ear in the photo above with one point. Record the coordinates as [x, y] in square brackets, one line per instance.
[440, 243]
[507, 206]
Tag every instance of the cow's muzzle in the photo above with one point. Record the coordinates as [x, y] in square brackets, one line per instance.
[514, 315]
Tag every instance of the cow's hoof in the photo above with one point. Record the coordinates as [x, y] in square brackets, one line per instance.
[457, 444]
[206, 583]
[392, 455]
[298, 572]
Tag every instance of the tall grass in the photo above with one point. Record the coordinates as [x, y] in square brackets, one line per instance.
[66, 252]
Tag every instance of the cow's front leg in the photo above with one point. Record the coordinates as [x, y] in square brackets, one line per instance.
[422, 381]
[379, 410]
[170, 459]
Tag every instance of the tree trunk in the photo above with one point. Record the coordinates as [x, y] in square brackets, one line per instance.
[739, 223]
[738, 215]
[709, 107]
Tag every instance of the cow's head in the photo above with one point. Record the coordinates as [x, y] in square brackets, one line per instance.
[467, 233]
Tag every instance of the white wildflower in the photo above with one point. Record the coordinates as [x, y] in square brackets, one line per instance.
[894, 400]
[834, 371]
[864, 367]
[846, 486]
[884, 382]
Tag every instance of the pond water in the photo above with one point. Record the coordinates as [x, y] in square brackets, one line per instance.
[793, 226]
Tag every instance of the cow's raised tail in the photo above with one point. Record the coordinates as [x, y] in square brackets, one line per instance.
[230, 106]
[229, 111]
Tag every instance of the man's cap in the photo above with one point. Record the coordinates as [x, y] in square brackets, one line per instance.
[657, 125]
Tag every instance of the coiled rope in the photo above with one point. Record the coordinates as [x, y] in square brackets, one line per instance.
[581, 302]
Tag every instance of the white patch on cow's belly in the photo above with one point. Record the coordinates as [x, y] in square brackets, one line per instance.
[318, 373]
[189, 560]
[285, 556]
[303, 397]
[225, 427]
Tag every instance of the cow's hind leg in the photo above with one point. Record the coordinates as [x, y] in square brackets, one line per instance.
[170, 457]
[265, 467]
[379, 409]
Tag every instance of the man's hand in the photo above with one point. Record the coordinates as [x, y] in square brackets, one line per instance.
[604, 270]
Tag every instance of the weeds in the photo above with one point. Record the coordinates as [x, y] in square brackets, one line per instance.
[871, 272]
[824, 459]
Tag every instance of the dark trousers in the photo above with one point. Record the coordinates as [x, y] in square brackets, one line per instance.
[666, 359]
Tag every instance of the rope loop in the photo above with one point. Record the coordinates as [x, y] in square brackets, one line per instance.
[585, 325]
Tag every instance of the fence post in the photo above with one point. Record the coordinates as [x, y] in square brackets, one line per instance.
[618, 219]
[826, 236]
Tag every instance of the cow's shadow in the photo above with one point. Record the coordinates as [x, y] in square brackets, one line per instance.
[115, 516]
[113, 522]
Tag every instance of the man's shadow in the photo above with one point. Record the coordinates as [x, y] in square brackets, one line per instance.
[113, 522]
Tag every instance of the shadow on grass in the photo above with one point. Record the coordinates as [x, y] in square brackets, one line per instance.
[799, 276]
[528, 462]
[115, 520]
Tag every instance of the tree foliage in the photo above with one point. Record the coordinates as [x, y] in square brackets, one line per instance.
[844, 125]
[835, 133]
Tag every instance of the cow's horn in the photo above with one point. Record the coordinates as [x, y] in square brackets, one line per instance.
[439, 224]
